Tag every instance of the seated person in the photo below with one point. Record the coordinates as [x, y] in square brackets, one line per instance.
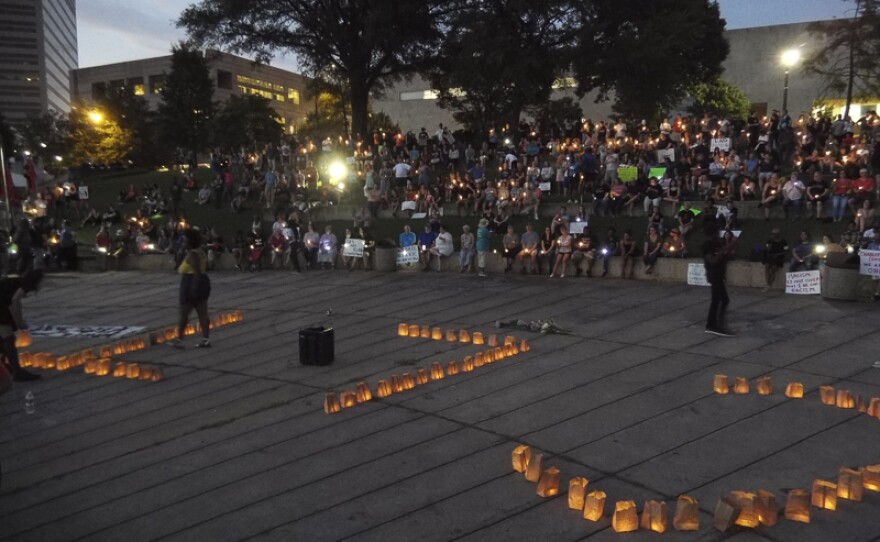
[112, 216]
[803, 256]
[277, 247]
[407, 238]
[103, 240]
[204, 195]
[748, 190]
[685, 219]
[327, 248]
[674, 246]
[443, 247]
[584, 250]
[426, 241]
[510, 247]
[92, 218]
[528, 254]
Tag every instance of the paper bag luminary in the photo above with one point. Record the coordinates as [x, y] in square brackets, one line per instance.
[464, 336]
[654, 516]
[766, 507]
[625, 518]
[764, 386]
[407, 382]
[520, 458]
[363, 392]
[437, 334]
[396, 384]
[548, 484]
[414, 331]
[437, 371]
[477, 339]
[873, 409]
[741, 385]
[402, 330]
[721, 385]
[535, 467]
[726, 512]
[871, 477]
[844, 399]
[348, 399]
[824, 495]
[594, 505]
[687, 514]
[452, 368]
[748, 513]
[797, 506]
[451, 337]
[467, 365]
[849, 484]
[425, 332]
[383, 389]
[421, 376]
[331, 403]
[794, 390]
[826, 395]
[577, 488]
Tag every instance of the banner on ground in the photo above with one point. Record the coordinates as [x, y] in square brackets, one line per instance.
[720, 143]
[408, 255]
[353, 248]
[96, 332]
[869, 262]
[628, 174]
[803, 283]
[697, 274]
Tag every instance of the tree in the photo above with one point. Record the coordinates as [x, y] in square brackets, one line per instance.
[849, 58]
[648, 53]
[48, 136]
[720, 98]
[133, 115]
[555, 112]
[98, 140]
[367, 42]
[186, 109]
[502, 57]
[246, 121]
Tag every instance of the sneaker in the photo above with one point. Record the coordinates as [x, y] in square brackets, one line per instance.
[719, 332]
[562, 276]
[175, 343]
[22, 375]
[483, 274]
[204, 343]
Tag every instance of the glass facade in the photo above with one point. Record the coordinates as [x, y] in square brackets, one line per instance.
[38, 50]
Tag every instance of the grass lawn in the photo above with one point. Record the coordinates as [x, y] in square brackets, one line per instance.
[104, 190]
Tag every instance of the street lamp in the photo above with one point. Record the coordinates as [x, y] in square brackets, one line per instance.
[96, 117]
[790, 58]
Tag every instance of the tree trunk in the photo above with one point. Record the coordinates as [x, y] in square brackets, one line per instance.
[360, 101]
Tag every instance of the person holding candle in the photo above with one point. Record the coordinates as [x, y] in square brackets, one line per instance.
[628, 252]
[528, 255]
[793, 193]
[653, 245]
[771, 194]
[862, 190]
[803, 255]
[327, 248]
[563, 252]
[584, 251]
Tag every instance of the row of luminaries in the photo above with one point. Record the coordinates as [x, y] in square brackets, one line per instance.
[741, 508]
[98, 361]
[415, 331]
[795, 390]
[333, 403]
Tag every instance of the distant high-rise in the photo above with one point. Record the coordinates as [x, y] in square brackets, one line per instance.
[38, 50]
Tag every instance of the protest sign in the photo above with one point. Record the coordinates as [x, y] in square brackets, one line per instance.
[408, 255]
[869, 262]
[720, 143]
[803, 283]
[353, 248]
[697, 275]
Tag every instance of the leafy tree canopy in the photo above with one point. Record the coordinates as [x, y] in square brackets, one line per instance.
[187, 108]
[720, 98]
[246, 120]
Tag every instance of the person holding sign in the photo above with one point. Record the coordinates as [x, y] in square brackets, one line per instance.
[715, 262]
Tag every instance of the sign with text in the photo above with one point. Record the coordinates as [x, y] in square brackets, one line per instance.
[662, 155]
[408, 255]
[697, 275]
[407, 206]
[353, 248]
[576, 228]
[83, 192]
[869, 262]
[720, 143]
[803, 283]
[544, 186]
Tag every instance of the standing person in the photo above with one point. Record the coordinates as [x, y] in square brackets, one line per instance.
[12, 291]
[715, 260]
[195, 288]
[466, 255]
[774, 257]
[483, 237]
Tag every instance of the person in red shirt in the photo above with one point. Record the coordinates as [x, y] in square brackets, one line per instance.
[862, 189]
[840, 191]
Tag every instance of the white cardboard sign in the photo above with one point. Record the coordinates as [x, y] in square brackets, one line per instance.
[803, 283]
[697, 274]
[869, 262]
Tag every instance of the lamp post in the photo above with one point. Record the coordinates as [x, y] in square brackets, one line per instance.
[790, 58]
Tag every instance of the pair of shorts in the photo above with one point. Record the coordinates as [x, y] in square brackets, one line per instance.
[481, 259]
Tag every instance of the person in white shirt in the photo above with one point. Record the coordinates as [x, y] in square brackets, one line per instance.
[401, 173]
[442, 248]
[793, 192]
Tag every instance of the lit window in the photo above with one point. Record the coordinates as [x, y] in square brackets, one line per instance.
[138, 89]
[279, 97]
[293, 95]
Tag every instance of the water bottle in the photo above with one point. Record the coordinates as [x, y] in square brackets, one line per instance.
[29, 405]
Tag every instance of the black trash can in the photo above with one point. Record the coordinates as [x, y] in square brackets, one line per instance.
[316, 346]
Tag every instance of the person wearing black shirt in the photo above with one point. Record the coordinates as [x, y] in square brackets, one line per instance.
[600, 199]
[715, 260]
[775, 251]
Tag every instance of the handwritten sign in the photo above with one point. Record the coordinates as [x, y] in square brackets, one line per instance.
[720, 143]
[353, 248]
[869, 262]
[544, 186]
[408, 206]
[408, 256]
[697, 275]
[662, 155]
[803, 283]
[83, 192]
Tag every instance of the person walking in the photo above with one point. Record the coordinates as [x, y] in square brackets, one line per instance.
[195, 288]
[715, 260]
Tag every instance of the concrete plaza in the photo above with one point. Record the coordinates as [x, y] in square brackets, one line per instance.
[234, 444]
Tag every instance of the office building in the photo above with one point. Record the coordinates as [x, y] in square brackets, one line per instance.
[230, 74]
[38, 50]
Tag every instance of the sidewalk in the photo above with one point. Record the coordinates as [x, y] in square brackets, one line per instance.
[234, 443]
